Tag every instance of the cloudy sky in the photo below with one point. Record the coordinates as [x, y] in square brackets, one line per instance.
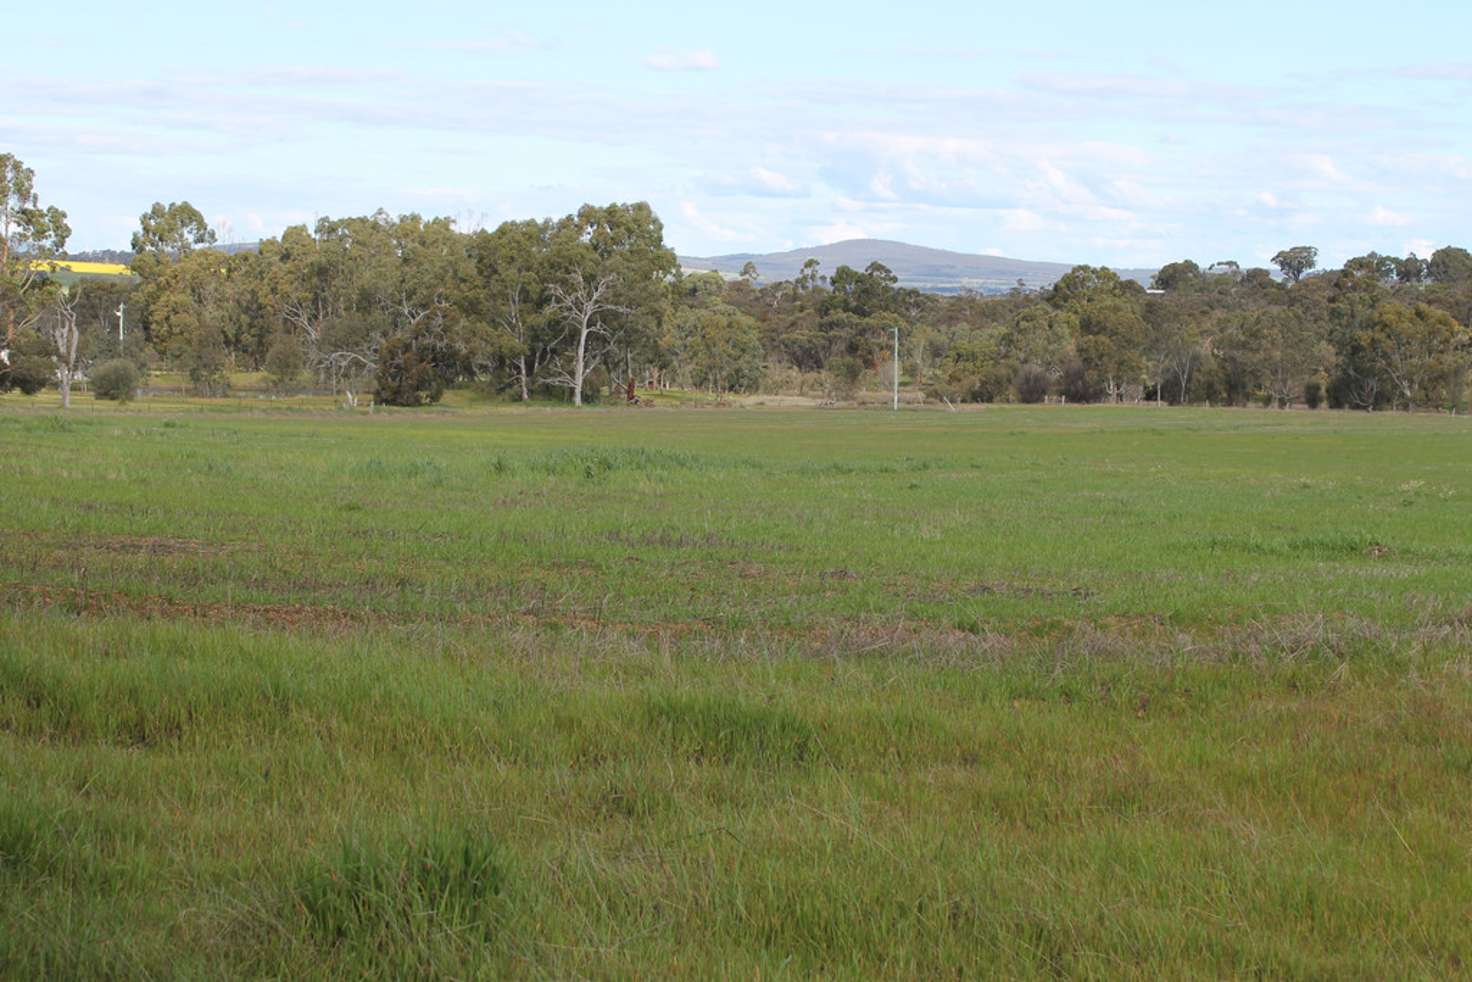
[1126, 133]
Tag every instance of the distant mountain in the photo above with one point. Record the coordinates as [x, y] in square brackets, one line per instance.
[125, 257]
[120, 256]
[231, 248]
[932, 270]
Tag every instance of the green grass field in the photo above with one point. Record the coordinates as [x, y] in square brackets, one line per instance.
[479, 692]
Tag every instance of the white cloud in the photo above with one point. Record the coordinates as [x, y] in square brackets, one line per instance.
[701, 60]
[313, 75]
[1385, 218]
[697, 220]
[1421, 247]
[841, 231]
[1060, 167]
[1022, 220]
[1132, 192]
[1325, 167]
[758, 182]
[503, 44]
[1107, 86]
[774, 181]
[1454, 72]
[882, 186]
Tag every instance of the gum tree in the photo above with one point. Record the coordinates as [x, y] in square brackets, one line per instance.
[65, 338]
[1418, 349]
[29, 236]
[1297, 261]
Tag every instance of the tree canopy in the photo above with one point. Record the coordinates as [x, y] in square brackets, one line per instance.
[400, 307]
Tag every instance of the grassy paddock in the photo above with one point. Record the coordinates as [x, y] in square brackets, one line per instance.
[1030, 691]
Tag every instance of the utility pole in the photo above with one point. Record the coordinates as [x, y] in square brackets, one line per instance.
[121, 308]
[896, 368]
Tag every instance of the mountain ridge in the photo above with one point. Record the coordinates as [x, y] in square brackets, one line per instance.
[921, 267]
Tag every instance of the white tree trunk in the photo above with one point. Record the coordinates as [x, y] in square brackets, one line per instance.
[577, 374]
[582, 304]
[65, 337]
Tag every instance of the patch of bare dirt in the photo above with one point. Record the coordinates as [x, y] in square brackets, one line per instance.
[139, 545]
[148, 545]
[1148, 635]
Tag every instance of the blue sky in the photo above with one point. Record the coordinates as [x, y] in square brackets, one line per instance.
[1126, 133]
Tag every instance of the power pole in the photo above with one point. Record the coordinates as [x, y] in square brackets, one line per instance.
[896, 369]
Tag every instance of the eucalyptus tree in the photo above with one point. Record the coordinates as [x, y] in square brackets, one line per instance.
[1111, 329]
[170, 231]
[182, 293]
[582, 300]
[65, 338]
[1183, 275]
[1451, 264]
[1419, 349]
[608, 285]
[512, 265]
[1040, 337]
[1171, 346]
[1287, 349]
[29, 236]
[718, 348]
[1296, 261]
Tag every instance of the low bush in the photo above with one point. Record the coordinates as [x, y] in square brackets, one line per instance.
[1031, 385]
[284, 363]
[115, 381]
[28, 368]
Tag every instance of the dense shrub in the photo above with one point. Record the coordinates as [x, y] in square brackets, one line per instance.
[415, 366]
[116, 380]
[1031, 385]
[284, 362]
[207, 362]
[1077, 385]
[1313, 393]
[30, 368]
[26, 373]
[973, 371]
[844, 372]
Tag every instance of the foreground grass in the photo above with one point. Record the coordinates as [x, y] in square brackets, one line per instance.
[188, 802]
[1021, 692]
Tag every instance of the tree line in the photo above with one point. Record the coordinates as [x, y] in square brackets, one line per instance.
[594, 304]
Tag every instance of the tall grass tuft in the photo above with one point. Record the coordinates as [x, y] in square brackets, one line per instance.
[399, 896]
[712, 726]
